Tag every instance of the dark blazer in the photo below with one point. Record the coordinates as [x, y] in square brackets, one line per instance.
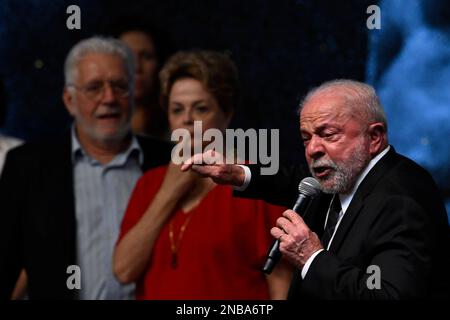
[396, 221]
[37, 217]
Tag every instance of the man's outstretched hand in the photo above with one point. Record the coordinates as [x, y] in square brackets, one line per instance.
[211, 164]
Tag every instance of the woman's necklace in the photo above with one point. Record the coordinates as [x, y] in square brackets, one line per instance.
[175, 246]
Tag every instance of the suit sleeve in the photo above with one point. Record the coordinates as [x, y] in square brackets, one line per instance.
[11, 236]
[400, 244]
[280, 189]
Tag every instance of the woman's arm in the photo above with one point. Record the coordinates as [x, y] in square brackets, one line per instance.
[279, 280]
[133, 251]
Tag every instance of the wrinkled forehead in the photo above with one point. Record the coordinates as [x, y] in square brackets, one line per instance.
[325, 107]
[101, 65]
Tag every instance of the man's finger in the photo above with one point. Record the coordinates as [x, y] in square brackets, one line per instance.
[284, 224]
[186, 166]
[209, 157]
[213, 157]
[205, 171]
[195, 159]
[276, 232]
[293, 217]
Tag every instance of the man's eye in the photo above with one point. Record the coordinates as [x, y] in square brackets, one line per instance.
[119, 83]
[94, 87]
[120, 86]
[329, 135]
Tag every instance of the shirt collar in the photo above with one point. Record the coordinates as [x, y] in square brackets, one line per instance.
[347, 198]
[134, 149]
[2, 142]
[76, 151]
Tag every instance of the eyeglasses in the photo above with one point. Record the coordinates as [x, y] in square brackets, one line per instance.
[96, 90]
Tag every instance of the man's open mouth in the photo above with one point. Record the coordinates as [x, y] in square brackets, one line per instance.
[321, 171]
[108, 116]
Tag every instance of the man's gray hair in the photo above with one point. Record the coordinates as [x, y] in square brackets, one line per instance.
[360, 97]
[98, 45]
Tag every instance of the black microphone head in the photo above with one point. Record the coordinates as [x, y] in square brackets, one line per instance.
[309, 187]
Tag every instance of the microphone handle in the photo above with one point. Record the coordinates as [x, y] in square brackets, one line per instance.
[301, 204]
[274, 254]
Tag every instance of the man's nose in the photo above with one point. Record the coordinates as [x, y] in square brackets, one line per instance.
[108, 94]
[315, 148]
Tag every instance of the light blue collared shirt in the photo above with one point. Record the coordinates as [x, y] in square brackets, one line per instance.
[101, 197]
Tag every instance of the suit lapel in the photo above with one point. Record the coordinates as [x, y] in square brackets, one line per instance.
[68, 221]
[357, 204]
[55, 215]
[353, 210]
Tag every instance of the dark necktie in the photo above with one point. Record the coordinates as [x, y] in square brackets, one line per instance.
[333, 216]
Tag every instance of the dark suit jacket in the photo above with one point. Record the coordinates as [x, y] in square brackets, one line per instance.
[37, 218]
[396, 221]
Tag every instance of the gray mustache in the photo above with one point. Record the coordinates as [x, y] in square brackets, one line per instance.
[323, 163]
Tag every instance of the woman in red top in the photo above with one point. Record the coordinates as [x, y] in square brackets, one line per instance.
[184, 237]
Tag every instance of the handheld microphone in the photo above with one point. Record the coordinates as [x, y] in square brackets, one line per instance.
[308, 189]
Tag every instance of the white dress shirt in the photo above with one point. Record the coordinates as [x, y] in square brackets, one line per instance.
[6, 144]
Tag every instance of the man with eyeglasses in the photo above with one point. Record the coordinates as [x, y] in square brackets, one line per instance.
[62, 203]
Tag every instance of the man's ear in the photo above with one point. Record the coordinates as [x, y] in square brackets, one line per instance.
[377, 136]
[68, 100]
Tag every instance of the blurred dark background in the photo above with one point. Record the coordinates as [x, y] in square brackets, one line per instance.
[282, 48]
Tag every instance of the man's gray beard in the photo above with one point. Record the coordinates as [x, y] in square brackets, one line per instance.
[123, 131]
[343, 173]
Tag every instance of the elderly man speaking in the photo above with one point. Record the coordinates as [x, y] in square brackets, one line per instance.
[63, 201]
[380, 231]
